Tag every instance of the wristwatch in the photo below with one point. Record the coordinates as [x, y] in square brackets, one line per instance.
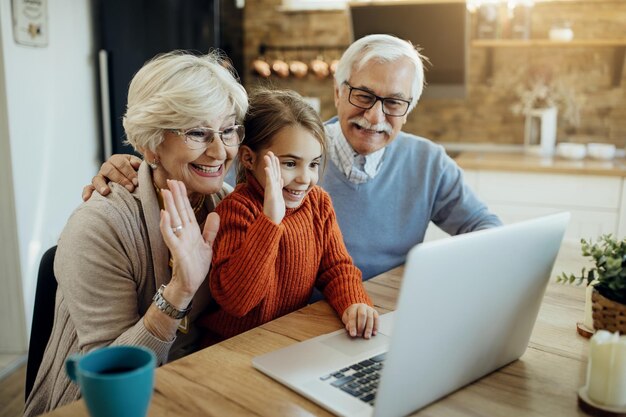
[163, 305]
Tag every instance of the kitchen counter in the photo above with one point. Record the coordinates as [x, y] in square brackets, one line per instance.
[520, 162]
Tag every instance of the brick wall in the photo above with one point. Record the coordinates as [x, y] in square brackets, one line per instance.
[484, 115]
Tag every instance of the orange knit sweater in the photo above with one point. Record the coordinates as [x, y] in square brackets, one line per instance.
[262, 270]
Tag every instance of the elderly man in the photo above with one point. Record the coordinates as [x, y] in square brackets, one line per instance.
[386, 185]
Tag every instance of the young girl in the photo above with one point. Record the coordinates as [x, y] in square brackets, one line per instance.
[278, 235]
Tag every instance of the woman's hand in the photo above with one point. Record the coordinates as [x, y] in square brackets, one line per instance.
[190, 250]
[274, 202]
[360, 320]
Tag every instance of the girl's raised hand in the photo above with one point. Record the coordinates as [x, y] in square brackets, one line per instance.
[191, 251]
[274, 202]
[360, 320]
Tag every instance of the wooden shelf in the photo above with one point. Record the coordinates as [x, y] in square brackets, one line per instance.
[577, 1]
[526, 43]
[619, 52]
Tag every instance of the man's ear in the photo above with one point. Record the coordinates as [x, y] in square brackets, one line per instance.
[336, 87]
[247, 157]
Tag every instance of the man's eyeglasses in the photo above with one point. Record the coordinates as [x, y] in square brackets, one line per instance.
[201, 137]
[364, 99]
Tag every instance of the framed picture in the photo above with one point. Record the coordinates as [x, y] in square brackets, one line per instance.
[30, 22]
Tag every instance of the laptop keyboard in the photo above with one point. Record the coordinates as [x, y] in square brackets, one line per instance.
[359, 380]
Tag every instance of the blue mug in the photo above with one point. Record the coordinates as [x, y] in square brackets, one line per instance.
[114, 380]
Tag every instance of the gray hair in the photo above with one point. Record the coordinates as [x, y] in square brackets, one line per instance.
[381, 48]
[179, 90]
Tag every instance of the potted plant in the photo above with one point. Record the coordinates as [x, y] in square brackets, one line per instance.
[608, 277]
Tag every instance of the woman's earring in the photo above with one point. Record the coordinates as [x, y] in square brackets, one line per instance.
[154, 165]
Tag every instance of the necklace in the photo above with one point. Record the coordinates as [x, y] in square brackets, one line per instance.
[196, 207]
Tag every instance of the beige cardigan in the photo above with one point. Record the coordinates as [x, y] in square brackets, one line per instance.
[110, 261]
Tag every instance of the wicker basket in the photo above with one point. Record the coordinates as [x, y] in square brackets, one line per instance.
[607, 314]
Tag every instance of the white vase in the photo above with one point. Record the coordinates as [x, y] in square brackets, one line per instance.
[540, 131]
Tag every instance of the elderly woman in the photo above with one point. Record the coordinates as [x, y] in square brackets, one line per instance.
[118, 281]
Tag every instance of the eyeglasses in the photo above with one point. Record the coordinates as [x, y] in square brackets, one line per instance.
[364, 99]
[201, 137]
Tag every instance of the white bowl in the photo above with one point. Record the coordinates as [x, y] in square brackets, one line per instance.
[571, 150]
[603, 151]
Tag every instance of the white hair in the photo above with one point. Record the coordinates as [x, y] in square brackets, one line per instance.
[179, 90]
[381, 48]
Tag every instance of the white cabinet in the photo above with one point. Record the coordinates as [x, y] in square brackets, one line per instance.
[621, 223]
[517, 186]
[595, 202]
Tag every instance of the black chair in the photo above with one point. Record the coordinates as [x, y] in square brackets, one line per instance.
[43, 316]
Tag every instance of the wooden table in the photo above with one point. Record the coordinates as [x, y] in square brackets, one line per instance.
[220, 380]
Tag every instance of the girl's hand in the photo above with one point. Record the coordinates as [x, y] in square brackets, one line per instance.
[274, 203]
[190, 250]
[360, 320]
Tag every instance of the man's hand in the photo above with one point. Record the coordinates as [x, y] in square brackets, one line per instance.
[360, 320]
[120, 168]
[274, 202]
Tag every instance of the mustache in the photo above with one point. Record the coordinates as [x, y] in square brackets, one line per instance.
[364, 124]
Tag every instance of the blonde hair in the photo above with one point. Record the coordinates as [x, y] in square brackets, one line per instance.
[272, 110]
[178, 90]
[382, 48]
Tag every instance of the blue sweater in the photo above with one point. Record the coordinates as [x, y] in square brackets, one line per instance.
[382, 219]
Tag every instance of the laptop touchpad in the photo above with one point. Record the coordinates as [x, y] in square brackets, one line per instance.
[355, 346]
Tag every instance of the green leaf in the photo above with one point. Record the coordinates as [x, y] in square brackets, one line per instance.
[609, 258]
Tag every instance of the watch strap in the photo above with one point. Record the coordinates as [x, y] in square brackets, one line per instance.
[164, 305]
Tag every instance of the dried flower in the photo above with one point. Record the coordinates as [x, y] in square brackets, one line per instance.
[538, 89]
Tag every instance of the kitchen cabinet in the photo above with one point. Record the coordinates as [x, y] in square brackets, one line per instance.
[594, 202]
[519, 187]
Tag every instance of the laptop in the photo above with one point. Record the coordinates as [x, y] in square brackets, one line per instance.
[467, 306]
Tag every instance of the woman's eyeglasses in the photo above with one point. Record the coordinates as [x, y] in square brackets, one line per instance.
[201, 137]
